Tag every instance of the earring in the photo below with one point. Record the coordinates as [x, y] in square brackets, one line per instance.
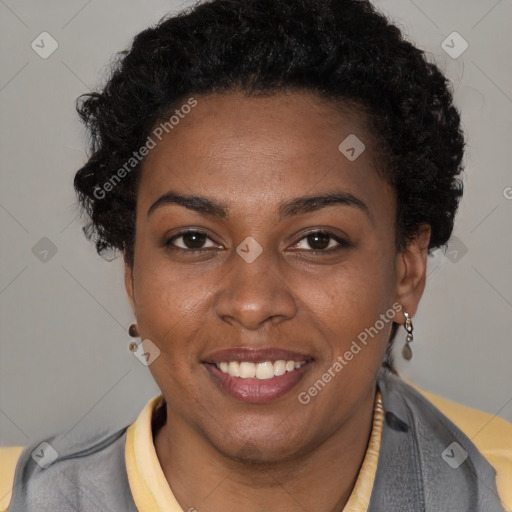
[406, 351]
[132, 331]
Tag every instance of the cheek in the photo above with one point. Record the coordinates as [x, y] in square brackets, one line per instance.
[167, 298]
[159, 283]
[350, 303]
[167, 304]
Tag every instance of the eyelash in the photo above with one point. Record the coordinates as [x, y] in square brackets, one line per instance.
[342, 244]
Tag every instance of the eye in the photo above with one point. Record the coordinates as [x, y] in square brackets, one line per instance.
[321, 242]
[190, 241]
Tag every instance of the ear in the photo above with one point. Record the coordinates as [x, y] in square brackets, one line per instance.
[411, 271]
[128, 282]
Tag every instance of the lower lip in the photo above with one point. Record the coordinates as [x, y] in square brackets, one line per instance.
[257, 390]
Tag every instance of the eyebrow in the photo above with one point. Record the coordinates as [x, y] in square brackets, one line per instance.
[292, 207]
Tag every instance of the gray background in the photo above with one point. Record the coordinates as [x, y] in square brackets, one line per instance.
[64, 354]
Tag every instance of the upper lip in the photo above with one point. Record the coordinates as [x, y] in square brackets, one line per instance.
[254, 355]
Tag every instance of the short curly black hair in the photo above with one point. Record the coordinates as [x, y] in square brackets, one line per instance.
[342, 50]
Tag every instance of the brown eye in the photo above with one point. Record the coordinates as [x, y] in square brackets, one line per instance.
[320, 241]
[190, 240]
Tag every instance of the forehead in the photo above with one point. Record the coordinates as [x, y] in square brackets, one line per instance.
[262, 150]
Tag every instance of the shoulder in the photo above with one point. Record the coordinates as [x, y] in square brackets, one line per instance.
[491, 435]
[488, 431]
[65, 472]
[434, 436]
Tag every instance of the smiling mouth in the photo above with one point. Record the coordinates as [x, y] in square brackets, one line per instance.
[263, 381]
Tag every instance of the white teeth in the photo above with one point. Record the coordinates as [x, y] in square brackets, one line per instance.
[279, 367]
[234, 369]
[263, 370]
[247, 370]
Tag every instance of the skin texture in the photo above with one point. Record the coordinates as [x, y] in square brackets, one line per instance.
[252, 154]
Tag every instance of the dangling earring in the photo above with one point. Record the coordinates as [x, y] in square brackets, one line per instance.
[132, 331]
[406, 351]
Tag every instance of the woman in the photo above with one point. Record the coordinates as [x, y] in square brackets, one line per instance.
[274, 174]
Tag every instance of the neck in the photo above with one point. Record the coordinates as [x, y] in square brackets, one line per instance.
[322, 479]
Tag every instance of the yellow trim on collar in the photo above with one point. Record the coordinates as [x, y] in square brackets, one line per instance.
[148, 484]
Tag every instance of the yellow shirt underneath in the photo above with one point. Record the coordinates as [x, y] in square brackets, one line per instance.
[151, 492]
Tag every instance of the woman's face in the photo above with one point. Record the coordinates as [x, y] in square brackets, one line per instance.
[254, 273]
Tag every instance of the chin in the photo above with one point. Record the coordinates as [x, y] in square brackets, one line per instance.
[260, 454]
[258, 447]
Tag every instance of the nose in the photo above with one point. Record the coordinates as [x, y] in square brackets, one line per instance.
[255, 295]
